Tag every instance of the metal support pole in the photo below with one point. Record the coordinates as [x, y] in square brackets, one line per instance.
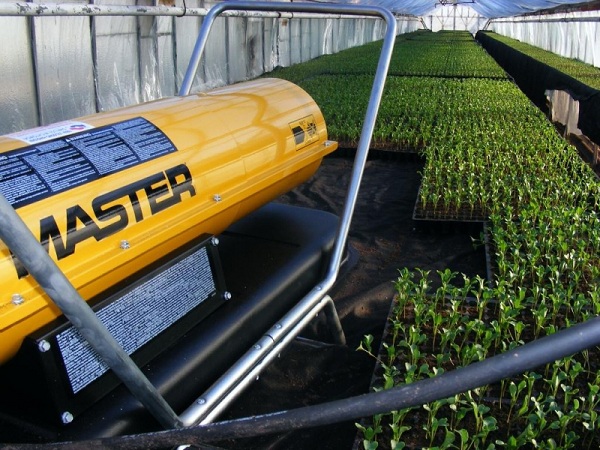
[333, 321]
[30, 252]
[49, 9]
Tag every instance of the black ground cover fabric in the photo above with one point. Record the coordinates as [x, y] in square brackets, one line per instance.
[385, 239]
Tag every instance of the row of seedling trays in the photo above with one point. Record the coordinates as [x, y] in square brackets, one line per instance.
[490, 156]
[586, 73]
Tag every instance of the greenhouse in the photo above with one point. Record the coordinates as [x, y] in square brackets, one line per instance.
[366, 224]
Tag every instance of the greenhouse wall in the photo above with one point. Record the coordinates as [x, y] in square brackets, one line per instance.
[454, 17]
[62, 67]
[574, 34]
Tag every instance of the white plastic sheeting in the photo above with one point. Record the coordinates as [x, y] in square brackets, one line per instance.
[564, 109]
[487, 8]
[454, 17]
[60, 67]
[56, 68]
[18, 105]
[573, 34]
[117, 78]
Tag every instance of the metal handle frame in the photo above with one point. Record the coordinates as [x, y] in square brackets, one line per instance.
[246, 369]
[19, 239]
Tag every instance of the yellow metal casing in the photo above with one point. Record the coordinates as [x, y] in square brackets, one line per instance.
[232, 150]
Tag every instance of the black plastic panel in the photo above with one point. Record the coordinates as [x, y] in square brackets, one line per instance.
[270, 260]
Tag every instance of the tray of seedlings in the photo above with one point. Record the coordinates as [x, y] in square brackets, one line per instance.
[499, 157]
[421, 62]
[539, 71]
[490, 156]
[546, 260]
[581, 71]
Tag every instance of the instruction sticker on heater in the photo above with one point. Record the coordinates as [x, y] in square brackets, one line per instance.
[304, 131]
[140, 315]
[32, 173]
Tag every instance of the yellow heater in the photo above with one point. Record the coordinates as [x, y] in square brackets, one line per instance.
[109, 194]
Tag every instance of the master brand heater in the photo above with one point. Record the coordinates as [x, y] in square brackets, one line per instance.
[128, 203]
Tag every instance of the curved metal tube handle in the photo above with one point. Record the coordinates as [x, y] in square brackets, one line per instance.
[222, 392]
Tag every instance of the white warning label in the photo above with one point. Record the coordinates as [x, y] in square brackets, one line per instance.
[56, 130]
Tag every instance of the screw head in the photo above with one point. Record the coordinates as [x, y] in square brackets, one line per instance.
[214, 241]
[44, 346]
[226, 295]
[66, 417]
[17, 299]
[217, 198]
[124, 244]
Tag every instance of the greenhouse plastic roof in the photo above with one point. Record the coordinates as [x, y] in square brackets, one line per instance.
[487, 8]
